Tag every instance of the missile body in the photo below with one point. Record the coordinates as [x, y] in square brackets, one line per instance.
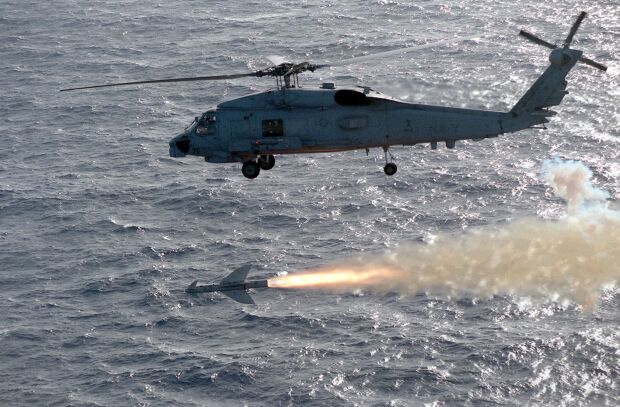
[210, 288]
[234, 286]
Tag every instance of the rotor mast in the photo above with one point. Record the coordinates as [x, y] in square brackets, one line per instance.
[287, 74]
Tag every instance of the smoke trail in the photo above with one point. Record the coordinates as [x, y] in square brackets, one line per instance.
[570, 258]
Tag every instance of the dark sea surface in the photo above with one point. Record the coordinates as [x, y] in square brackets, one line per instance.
[101, 231]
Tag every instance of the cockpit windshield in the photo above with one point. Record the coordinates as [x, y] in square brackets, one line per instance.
[192, 123]
[206, 124]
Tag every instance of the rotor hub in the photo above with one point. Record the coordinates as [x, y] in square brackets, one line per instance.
[559, 57]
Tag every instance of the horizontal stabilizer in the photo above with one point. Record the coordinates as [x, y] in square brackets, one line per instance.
[239, 296]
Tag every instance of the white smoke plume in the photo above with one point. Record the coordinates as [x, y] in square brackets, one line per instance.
[571, 181]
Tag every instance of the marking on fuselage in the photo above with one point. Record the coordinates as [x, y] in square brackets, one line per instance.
[322, 122]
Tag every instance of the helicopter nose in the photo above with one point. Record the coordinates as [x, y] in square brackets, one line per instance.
[179, 146]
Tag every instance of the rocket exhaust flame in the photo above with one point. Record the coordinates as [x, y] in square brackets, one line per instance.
[337, 278]
[567, 259]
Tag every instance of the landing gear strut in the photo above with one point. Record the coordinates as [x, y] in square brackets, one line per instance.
[250, 169]
[266, 162]
[390, 168]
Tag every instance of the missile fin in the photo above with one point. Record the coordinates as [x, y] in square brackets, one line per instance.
[239, 296]
[192, 287]
[237, 276]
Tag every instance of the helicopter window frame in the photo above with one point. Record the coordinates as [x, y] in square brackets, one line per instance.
[272, 128]
[207, 124]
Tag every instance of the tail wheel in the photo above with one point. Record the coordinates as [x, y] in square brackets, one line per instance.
[250, 169]
[266, 162]
[390, 169]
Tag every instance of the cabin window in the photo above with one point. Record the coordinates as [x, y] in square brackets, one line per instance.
[273, 128]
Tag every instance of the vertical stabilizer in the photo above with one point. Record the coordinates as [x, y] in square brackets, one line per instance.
[550, 88]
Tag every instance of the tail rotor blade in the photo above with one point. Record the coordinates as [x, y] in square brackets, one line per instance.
[566, 43]
[593, 64]
[574, 29]
[536, 40]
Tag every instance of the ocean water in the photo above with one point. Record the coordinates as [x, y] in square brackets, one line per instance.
[101, 231]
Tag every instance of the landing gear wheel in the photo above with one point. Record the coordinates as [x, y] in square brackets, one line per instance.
[266, 162]
[390, 169]
[250, 169]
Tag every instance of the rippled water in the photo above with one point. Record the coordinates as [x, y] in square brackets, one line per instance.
[100, 231]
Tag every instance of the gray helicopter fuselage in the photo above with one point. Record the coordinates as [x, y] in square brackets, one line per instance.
[328, 119]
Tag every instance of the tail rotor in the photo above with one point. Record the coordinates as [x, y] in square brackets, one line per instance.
[556, 54]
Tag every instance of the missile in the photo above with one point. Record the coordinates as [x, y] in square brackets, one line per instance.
[233, 285]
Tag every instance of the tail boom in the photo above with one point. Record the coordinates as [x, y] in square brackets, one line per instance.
[548, 90]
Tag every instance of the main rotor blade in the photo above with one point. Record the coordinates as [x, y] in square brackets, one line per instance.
[593, 64]
[189, 79]
[536, 40]
[574, 29]
[398, 51]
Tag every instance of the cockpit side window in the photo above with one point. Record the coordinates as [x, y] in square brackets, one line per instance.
[273, 128]
[206, 124]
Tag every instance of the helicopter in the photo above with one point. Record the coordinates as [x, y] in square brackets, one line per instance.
[289, 119]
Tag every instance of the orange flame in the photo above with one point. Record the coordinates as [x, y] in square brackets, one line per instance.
[335, 278]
